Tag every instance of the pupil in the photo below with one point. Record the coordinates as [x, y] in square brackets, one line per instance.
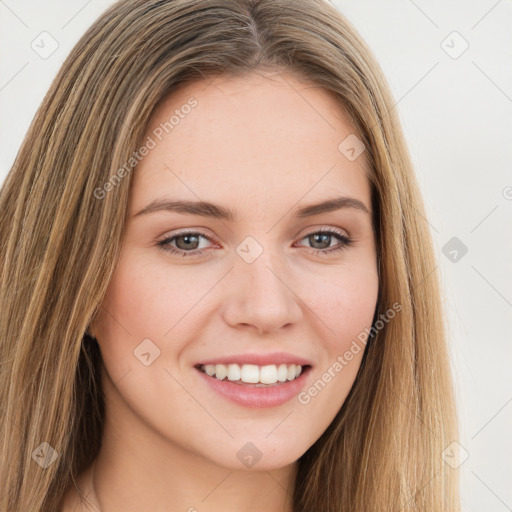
[319, 236]
[187, 239]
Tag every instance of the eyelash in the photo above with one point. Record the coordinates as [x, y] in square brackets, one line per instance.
[345, 242]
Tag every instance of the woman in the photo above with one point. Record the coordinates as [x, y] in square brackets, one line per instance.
[217, 286]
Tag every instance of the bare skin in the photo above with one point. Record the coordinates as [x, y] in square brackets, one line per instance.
[264, 146]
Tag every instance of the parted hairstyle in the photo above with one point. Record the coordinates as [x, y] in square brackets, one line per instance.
[59, 244]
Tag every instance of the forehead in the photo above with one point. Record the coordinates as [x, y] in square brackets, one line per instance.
[270, 139]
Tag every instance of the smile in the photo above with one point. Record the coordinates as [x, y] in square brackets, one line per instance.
[255, 386]
[252, 373]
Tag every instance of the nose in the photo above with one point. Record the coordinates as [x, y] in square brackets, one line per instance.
[260, 295]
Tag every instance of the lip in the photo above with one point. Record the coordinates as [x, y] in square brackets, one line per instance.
[259, 359]
[256, 397]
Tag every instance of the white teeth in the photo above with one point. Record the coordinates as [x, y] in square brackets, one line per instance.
[253, 374]
[282, 372]
[233, 372]
[268, 374]
[220, 371]
[250, 373]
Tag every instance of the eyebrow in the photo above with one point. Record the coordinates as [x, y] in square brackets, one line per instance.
[206, 209]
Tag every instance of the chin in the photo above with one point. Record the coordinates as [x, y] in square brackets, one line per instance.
[254, 456]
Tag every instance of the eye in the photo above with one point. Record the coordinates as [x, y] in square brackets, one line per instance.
[322, 240]
[188, 243]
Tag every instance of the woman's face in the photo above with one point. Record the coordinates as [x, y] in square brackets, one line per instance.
[262, 288]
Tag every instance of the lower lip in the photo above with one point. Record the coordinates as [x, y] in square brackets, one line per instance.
[257, 397]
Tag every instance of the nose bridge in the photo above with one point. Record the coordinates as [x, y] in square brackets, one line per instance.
[260, 290]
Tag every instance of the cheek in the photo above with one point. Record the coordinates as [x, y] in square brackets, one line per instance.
[131, 312]
[147, 298]
[344, 302]
[345, 308]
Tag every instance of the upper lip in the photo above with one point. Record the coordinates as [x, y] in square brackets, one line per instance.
[258, 359]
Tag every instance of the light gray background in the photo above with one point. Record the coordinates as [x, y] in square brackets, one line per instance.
[456, 114]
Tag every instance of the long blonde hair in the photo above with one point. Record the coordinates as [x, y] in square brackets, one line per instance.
[59, 245]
